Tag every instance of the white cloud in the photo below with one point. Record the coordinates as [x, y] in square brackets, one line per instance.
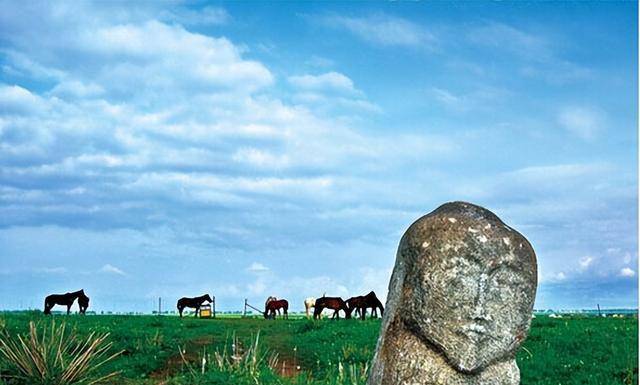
[627, 272]
[585, 123]
[481, 98]
[505, 37]
[257, 267]
[18, 100]
[384, 30]
[155, 49]
[108, 268]
[537, 54]
[260, 158]
[561, 276]
[586, 262]
[330, 81]
[75, 88]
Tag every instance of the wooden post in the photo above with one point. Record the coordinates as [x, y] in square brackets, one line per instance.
[599, 313]
[213, 307]
[159, 305]
[244, 313]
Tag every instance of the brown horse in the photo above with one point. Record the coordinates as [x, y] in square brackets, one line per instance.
[66, 299]
[371, 301]
[334, 303]
[274, 305]
[194, 303]
[361, 303]
[358, 304]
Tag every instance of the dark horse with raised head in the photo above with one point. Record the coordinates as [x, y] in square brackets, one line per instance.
[361, 303]
[333, 303]
[193, 303]
[274, 305]
[66, 299]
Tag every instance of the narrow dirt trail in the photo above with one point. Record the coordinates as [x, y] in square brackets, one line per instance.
[287, 364]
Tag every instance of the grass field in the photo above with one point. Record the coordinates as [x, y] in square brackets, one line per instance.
[169, 350]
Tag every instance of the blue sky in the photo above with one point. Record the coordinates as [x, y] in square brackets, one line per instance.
[253, 149]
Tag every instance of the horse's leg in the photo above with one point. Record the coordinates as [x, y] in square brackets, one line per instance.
[197, 310]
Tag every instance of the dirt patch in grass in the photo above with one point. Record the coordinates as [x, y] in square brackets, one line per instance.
[287, 368]
[176, 362]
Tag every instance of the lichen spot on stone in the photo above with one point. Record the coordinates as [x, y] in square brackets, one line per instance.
[506, 241]
[452, 220]
[482, 238]
[425, 245]
[472, 230]
[488, 226]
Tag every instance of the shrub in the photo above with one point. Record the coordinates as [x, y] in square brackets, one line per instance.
[55, 356]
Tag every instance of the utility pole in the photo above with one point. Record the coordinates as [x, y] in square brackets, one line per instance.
[159, 305]
[599, 313]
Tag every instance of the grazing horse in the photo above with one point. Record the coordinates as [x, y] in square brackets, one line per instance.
[361, 303]
[357, 304]
[83, 303]
[195, 303]
[269, 299]
[66, 299]
[272, 306]
[333, 303]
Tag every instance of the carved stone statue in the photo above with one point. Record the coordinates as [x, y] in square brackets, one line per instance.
[460, 301]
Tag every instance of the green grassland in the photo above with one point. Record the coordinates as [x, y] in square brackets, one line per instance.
[169, 350]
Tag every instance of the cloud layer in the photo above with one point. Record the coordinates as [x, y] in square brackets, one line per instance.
[160, 152]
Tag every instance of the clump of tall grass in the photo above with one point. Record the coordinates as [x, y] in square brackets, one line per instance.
[353, 374]
[55, 356]
[252, 362]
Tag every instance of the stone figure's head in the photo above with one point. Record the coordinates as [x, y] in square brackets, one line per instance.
[469, 285]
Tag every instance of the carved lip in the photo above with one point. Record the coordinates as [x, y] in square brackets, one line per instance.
[473, 330]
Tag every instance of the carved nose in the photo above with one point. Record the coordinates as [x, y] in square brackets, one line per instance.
[479, 309]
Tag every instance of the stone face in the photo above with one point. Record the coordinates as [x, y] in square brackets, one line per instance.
[460, 301]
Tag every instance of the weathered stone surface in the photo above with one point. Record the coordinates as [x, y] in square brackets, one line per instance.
[460, 301]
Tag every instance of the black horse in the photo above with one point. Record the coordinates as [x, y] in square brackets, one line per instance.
[194, 303]
[66, 299]
[83, 303]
